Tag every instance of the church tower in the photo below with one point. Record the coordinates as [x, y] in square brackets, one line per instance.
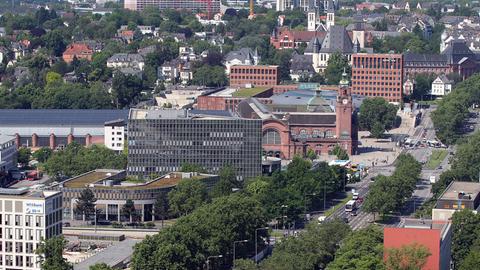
[312, 20]
[330, 14]
[343, 111]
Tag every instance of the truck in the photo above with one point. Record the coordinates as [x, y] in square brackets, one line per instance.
[433, 179]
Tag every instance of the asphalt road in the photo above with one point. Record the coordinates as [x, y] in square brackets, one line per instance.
[422, 192]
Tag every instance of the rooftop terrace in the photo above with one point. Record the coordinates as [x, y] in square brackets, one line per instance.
[115, 179]
[466, 191]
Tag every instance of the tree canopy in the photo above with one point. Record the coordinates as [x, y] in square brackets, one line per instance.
[51, 251]
[377, 115]
[188, 195]
[208, 231]
[76, 159]
[337, 64]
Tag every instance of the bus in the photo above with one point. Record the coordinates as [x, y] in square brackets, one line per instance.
[351, 206]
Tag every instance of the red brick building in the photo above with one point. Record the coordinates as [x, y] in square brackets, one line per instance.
[78, 50]
[433, 235]
[290, 130]
[378, 75]
[240, 76]
[285, 38]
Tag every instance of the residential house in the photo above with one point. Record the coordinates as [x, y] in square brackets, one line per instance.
[448, 8]
[408, 87]
[175, 70]
[3, 54]
[401, 6]
[187, 53]
[22, 76]
[19, 49]
[124, 60]
[301, 67]
[147, 50]
[244, 56]
[78, 51]
[125, 35]
[441, 86]
[285, 38]
[3, 32]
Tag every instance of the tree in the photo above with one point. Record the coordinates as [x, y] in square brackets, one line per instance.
[189, 167]
[210, 76]
[125, 89]
[128, 209]
[377, 114]
[53, 78]
[208, 231]
[380, 198]
[227, 182]
[86, 203]
[336, 65]
[311, 154]
[340, 153]
[377, 130]
[50, 252]
[312, 249]
[362, 249]
[465, 224]
[161, 207]
[100, 266]
[188, 195]
[408, 257]
[471, 261]
[76, 159]
[423, 85]
[23, 156]
[42, 154]
[245, 264]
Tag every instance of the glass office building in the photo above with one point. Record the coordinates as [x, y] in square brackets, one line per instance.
[160, 141]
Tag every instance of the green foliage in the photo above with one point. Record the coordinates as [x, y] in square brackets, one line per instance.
[125, 89]
[246, 264]
[53, 78]
[377, 115]
[76, 159]
[208, 231]
[189, 167]
[100, 266]
[388, 194]
[289, 188]
[210, 76]
[471, 261]
[336, 64]
[450, 115]
[51, 257]
[228, 181]
[340, 153]
[360, 250]
[23, 155]
[42, 154]
[312, 249]
[86, 203]
[409, 257]
[423, 85]
[311, 154]
[128, 209]
[465, 228]
[161, 207]
[188, 195]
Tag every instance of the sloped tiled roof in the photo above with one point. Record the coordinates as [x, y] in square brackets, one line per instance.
[337, 40]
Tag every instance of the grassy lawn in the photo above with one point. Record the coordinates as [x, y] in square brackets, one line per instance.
[249, 92]
[436, 158]
[339, 204]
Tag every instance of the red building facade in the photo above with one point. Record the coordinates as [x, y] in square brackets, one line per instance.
[286, 38]
[254, 75]
[79, 51]
[378, 75]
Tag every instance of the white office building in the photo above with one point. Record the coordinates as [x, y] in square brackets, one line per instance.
[27, 217]
[8, 153]
[441, 86]
[115, 135]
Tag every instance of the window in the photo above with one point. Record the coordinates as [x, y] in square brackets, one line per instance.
[329, 134]
[271, 136]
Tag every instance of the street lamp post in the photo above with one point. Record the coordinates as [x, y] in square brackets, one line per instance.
[324, 195]
[256, 248]
[211, 257]
[284, 216]
[305, 202]
[234, 243]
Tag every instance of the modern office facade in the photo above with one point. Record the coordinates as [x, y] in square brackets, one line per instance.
[27, 218]
[193, 5]
[378, 75]
[8, 153]
[160, 141]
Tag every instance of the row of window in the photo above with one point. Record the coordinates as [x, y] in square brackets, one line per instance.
[375, 89]
[370, 78]
[255, 71]
[378, 72]
[30, 220]
[21, 234]
[238, 77]
[20, 261]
